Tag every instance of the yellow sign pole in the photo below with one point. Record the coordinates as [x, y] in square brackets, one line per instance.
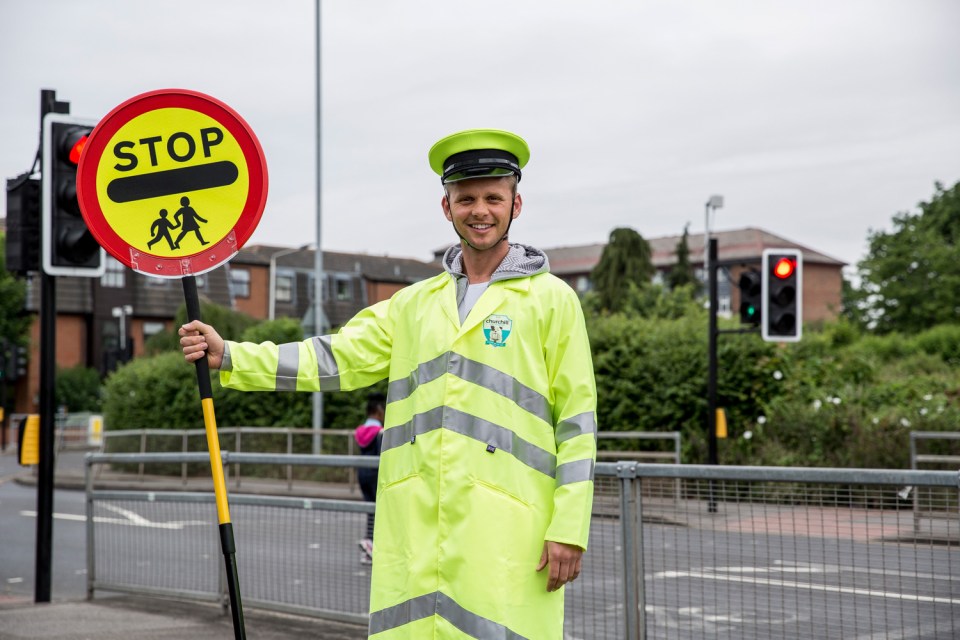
[227, 544]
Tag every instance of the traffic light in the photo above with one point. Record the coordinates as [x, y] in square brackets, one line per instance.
[23, 224]
[782, 309]
[751, 288]
[17, 363]
[69, 249]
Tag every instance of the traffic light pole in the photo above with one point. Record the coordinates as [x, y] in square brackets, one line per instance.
[48, 366]
[712, 369]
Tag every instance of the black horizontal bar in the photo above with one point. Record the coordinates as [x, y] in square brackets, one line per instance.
[172, 181]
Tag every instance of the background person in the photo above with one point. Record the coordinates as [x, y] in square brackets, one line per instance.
[369, 436]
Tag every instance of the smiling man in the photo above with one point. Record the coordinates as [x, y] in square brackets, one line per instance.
[486, 467]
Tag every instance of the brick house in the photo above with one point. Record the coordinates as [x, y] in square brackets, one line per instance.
[737, 250]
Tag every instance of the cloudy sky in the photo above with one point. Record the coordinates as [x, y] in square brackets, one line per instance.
[817, 121]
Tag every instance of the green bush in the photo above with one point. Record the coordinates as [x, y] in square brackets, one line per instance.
[942, 340]
[78, 389]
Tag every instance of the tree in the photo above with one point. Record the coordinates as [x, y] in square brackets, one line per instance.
[625, 260]
[14, 320]
[910, 279]
[682, 273]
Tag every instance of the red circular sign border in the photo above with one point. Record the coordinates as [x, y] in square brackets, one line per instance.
[216, 254]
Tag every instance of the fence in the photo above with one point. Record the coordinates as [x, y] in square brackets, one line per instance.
[745, 552]
[232, 438]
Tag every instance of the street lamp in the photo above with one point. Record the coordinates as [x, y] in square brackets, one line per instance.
[122, 313]
[715, 202]
[272, 303]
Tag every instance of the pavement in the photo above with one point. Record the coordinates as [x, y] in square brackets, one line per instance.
[124, 617]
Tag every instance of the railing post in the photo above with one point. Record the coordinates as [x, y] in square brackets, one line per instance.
[91, 547]
[916, 490]
[183, 465]
[289, 466]
[143, 449]
[676, 457]
[236, 466]
[632, 551]
[354, 476]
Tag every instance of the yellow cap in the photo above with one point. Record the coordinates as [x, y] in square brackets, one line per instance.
[478, 153]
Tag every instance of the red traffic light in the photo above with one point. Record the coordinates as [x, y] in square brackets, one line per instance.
[76, 148]
[784, 268]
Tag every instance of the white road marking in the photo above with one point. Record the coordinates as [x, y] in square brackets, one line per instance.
[833, 568]
[132, 520]
[907, 634]
[771, 582]
[14, 580]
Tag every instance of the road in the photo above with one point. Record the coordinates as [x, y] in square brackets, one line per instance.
[698, 583]
[18, 533]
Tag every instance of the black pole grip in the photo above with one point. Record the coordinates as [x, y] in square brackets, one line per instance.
[193, 313]
[233, 580]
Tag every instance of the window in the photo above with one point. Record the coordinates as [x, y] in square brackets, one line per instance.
[583, 284]
[284, 289]
[240, 283]
[344, 289]
[113, 274]
[151, 328]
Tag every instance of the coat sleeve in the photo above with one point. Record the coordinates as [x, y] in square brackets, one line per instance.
[355, 357]
[574, 396]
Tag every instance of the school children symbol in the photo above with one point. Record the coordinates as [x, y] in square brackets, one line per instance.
[496, 330]
[160, 229]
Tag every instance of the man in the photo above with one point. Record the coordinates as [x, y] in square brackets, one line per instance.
[486, 468]
[369, 437]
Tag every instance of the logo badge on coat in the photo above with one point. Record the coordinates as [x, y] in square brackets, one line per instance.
[496, 330]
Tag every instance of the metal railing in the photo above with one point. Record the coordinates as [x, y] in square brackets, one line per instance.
[232, 438]
[783, 553]
[927, 460]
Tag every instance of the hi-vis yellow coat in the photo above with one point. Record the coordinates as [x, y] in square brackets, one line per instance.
[488, 449]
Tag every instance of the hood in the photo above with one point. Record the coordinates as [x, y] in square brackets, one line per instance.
[520, 261]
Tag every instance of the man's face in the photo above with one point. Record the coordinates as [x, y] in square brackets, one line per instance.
[480, 209]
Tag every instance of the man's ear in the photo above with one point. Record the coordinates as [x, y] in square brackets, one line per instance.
[445, 205]
[517, 206]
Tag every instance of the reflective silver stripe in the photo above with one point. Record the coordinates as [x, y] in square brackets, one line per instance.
[503, 438]
[575, 426]
[576, 471]
[327, 370]
[447, 608]
[226, 364]
[404, 433]
[501, 383]
[470, 623]
[473, 427]
[430, 370]
[403, 613]
[288, 366]
[478, 373]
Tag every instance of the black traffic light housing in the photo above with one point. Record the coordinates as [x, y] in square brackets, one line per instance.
[23, 224]
[782, 309]
[68, 247]
[751, 290]
[13, 360]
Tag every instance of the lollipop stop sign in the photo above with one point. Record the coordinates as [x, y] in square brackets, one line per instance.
[172, 183]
